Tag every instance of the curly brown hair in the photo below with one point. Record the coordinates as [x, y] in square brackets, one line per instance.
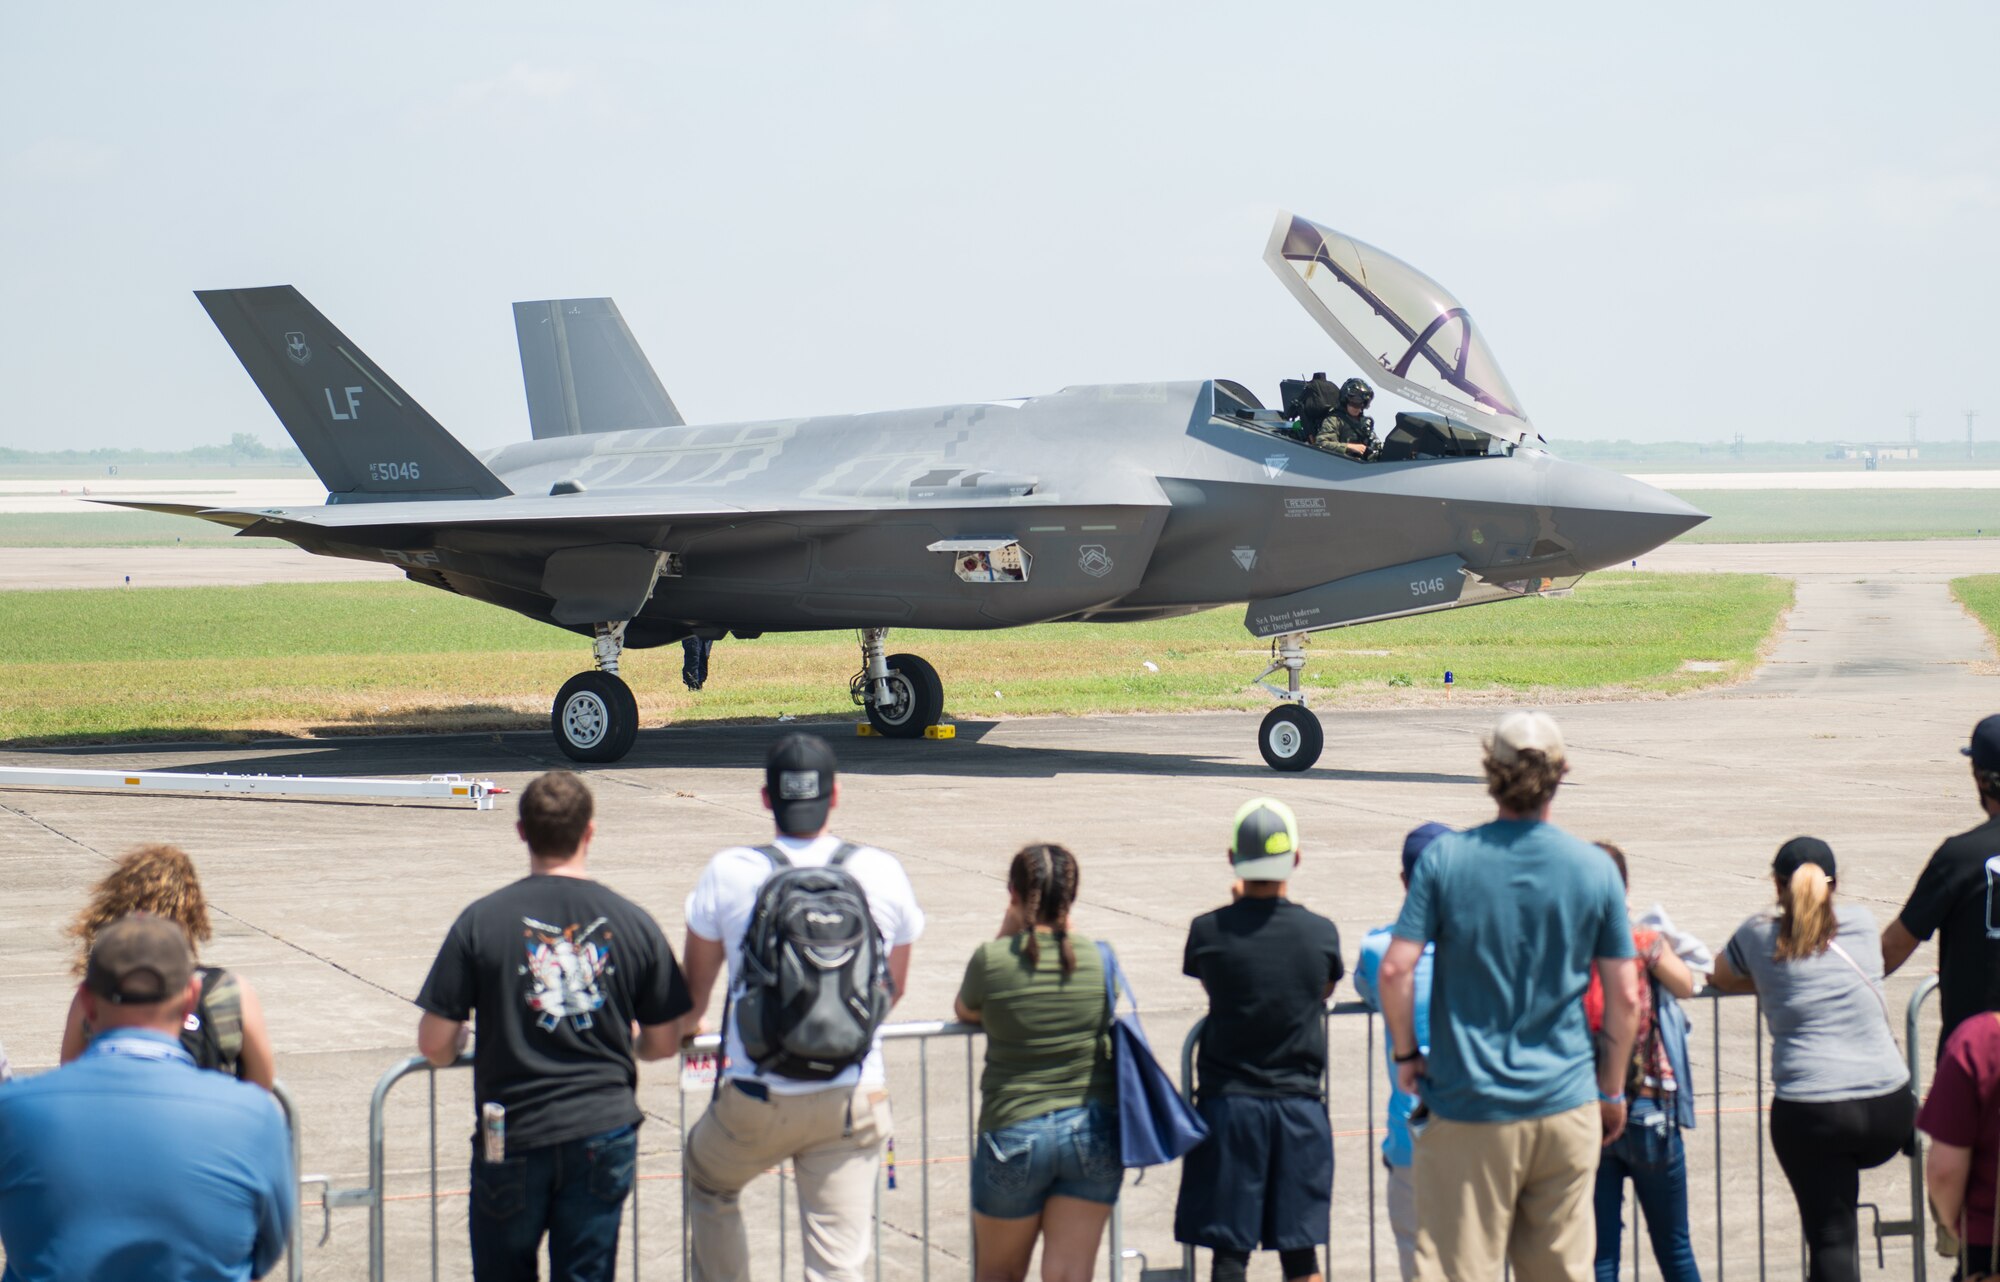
[156, 879]
[1526, 783]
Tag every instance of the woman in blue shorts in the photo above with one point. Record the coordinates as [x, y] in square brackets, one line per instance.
[1045, 1162]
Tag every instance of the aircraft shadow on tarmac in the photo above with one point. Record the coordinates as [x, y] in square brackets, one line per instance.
[741, 746]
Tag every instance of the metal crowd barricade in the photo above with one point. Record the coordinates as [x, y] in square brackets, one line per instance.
[295, 1266]
[1920, 1213]
[373, 1195]
[1713, 1104]
[923, 1034]
[1712, 1110]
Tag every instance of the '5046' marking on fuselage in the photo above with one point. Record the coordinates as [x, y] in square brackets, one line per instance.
[394, 472]
[1425, 587]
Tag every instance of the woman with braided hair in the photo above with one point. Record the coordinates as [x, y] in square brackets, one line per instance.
[1045, 1163]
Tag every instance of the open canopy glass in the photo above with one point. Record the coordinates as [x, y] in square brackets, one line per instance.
[1400, 326]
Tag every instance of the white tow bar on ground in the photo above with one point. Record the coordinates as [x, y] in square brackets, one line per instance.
[479, 792]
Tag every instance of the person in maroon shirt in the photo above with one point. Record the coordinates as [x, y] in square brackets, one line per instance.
[1962, 1117]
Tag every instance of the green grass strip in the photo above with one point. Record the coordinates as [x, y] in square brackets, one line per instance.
[1813, 516]
[333, 658]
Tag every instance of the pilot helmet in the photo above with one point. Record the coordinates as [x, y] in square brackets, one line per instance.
[1355, 389]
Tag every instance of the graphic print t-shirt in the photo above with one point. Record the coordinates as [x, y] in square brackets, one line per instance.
[553, 971]
[1959, 893]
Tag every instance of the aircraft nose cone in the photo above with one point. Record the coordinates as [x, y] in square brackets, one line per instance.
[1609, 519]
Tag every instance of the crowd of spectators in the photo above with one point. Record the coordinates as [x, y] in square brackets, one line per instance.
[1538, 1053]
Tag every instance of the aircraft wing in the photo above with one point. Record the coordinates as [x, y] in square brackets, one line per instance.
[537, 510]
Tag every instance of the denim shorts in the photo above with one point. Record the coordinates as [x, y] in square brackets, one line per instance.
[1072, 1152]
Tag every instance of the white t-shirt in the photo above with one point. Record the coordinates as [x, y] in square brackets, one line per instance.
[719, 909]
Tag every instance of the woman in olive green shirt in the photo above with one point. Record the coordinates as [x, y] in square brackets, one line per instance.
[1045, 1163]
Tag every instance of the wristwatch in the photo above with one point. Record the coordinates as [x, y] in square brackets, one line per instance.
[1404, 1059]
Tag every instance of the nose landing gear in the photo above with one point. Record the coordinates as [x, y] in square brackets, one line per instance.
[1290, 738]
[901, 693]
[596, 716]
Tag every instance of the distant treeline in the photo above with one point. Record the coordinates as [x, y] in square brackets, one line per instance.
[243, 449]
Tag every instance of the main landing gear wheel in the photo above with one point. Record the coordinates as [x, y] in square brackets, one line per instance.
[595, 717]
[917, 699]
[1290, 738]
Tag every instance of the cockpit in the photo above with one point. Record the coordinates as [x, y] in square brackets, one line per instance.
[1413, 436]
[1408, 335]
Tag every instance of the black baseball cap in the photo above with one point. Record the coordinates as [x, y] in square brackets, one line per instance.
[1800, 851]
[1985, 746]
[798, 772]
[139, 960]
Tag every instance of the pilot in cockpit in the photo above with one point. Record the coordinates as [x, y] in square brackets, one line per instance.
[1348, 429]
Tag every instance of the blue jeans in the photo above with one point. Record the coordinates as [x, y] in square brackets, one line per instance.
[1649, 1154]
[574, 1192]
[1072, 1152]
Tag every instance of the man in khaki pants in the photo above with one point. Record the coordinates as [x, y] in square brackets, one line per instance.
[831, 1130]
[1517, 1107]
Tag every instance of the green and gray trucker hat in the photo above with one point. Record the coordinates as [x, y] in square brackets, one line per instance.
[1263, 840]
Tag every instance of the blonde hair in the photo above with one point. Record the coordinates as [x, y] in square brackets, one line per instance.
[155, 879]
[1805, 920]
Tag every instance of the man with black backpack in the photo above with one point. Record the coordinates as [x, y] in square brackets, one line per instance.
[816, 933]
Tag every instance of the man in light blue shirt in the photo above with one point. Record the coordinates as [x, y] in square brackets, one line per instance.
[1396, 1144]
[132, 1163]
[1520, 912]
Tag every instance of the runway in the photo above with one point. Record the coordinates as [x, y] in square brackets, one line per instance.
[1850, 731]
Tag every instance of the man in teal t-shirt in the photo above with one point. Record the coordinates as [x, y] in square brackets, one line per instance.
[1519, 911]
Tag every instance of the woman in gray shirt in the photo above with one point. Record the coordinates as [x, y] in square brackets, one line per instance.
[1843, 1102]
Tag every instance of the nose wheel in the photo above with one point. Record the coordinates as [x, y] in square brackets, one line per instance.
[901, 693]
[1291, 737]
[595, 717]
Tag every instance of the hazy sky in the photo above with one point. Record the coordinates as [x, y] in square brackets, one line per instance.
[1672, 222]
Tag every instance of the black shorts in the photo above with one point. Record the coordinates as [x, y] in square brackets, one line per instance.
[1262, 1178]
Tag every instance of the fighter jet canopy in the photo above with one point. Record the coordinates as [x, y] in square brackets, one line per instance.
[1400, 326]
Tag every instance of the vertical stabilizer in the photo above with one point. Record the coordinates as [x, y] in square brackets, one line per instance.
[365, 437]
[584, 372]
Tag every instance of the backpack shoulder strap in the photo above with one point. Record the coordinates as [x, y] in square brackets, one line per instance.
[776, 854]
[1114, 979]
[845, 851]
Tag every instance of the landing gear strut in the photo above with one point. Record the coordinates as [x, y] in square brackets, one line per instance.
[1290, 738]
[900, 692]
[596, 716]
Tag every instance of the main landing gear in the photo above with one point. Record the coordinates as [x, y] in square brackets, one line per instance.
[901, 693]
[1290, 738]
[596, 716]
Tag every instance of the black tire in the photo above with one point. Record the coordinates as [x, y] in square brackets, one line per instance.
[1290, 738]
[595, 717]
[921, 700]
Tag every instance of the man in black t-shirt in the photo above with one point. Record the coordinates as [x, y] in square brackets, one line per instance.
[1959, 893]
[1264, 1176]
[558, 974]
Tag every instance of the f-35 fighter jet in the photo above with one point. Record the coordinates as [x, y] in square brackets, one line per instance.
[1100, 503]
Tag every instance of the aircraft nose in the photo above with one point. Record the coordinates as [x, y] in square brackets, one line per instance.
[1609, 519]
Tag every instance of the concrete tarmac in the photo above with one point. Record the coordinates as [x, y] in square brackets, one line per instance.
[1850, 731]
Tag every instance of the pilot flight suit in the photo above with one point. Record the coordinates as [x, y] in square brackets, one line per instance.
[1339, 430]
